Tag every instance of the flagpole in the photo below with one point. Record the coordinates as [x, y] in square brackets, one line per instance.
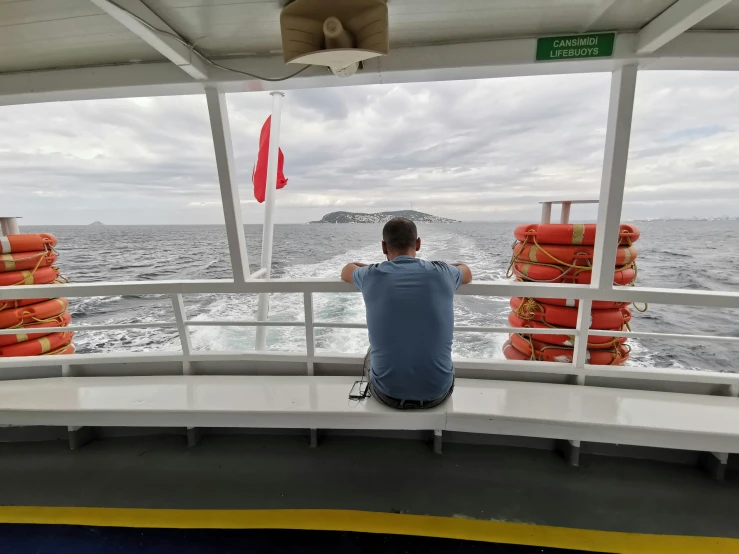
[269, 208]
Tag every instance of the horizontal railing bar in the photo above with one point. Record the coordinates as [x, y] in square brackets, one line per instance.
[522, 330]
[663, 374]
[258, 273]
[645, 335]
[491, 366]
[476, 288]
[339, 325]
[82, 328]
[244, 323]
[348, 325]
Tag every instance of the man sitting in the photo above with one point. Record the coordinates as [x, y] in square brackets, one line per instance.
[410, 318]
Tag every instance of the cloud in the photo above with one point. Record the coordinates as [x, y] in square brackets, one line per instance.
[472, 150]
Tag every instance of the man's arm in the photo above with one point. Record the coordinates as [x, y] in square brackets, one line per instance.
[466, 273]
[348, 271]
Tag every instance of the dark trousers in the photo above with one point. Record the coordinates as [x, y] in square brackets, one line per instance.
[399, 403]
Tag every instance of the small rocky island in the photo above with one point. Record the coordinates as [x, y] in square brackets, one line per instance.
[97, 224]
[382, 217]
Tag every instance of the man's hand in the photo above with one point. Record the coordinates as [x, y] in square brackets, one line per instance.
[348, 271]
[466, 273]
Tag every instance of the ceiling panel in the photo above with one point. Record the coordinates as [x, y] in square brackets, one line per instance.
[630, 15]
[231, 27]
[224, 27]
[727, 18]
[47, 34]
[39, 34]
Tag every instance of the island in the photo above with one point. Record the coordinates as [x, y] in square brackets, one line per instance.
[382, 217]
[97, 224]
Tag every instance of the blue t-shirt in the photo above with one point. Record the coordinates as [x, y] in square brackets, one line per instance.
[410, 317]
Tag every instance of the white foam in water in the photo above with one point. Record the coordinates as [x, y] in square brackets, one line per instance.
[350, 307]
[484, 246]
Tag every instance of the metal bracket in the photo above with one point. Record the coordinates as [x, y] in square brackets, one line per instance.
[437, 441]
[314, 438]
[569, 450]
[193, 436]
[715, 463]
[79, 436]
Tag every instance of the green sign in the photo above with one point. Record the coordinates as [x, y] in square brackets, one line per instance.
[575, 47]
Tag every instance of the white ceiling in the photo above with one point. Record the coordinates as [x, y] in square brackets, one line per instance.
[48, 34]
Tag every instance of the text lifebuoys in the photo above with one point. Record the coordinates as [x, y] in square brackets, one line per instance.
[61, 320]
[35, 313]
[558, 274]
[559, 253]
[26, 260]
[36, 347]
[41, 276]
[520, 348]
[26, 243]
[570, 234]
[594, 342]
[561, 316]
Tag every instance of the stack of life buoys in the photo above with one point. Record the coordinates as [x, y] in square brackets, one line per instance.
[563, 253]
[29, 259]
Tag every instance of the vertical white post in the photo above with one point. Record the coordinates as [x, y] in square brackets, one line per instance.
[219, 125]
[180, 316]
[618, 133]
[269, 208]
[565, 217]
[9, 226]
[310, 342]
[546, 213]
[580, 353]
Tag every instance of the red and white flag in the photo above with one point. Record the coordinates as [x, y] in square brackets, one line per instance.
[259, 175]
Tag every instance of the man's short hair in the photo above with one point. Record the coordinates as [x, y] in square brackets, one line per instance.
[400, 233]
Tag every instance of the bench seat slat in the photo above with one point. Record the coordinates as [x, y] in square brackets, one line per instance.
[647, 418]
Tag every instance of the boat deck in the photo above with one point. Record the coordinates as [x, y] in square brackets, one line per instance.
[387, 476]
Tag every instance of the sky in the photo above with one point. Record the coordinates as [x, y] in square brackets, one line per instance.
[468, 150]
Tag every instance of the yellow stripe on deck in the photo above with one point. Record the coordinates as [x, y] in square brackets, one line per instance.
[374, 522]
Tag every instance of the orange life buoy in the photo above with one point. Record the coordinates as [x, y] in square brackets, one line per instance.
[11, 304]
[562, 316]
[597, 304]
[26, 260]
[26, 243]
[27, 277]
[550, 273]
[35, 313]
[36, 347]
[66, 349]
[519, 348]
[594, 342]
[570, 233]
[558, 253]
[61, 320]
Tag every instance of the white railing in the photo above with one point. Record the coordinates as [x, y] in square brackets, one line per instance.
[308, 287]
[610, 202]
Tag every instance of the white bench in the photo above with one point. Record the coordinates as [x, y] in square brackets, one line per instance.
[670, 420]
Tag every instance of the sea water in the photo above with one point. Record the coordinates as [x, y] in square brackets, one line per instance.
[687, 255]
